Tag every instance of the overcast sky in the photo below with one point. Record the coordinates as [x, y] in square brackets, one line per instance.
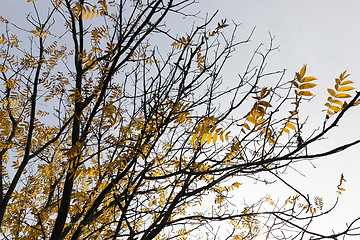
[325, 35]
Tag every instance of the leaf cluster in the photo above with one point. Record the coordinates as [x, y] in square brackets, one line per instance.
[334, 103]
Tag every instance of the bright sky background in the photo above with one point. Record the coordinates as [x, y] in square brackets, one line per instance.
[325, 35]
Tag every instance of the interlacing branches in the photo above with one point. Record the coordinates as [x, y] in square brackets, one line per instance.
[115, 125]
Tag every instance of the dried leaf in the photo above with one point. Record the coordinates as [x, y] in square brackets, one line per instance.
[193, 138]
[203, 138]
[335, 109]
[261, 120]
[264, 103]
[215, 136]
[338, 102]
[337, 81]
[342, 95]
[305, 93]
[346, 82]
[291, 126]
[209, 136]
[308, 79]
[251, 119]
[346, 88]
[294, 83]
[263, 91]
[222, 137]
[303, 71]
[307, 85]
[332, 92]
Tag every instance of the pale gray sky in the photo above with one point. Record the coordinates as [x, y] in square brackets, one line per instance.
[325, 35]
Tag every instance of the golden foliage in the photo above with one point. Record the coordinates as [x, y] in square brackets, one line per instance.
[334, 103]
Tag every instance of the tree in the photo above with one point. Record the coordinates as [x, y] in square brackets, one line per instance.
[105, 136]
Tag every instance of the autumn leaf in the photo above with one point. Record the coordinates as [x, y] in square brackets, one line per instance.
[264, 103]
[307, 79]
[332, 92]
[305, 93]
[346, 82]
[290, 125]
[307, 85]
[342, 95]
[346, 88]
[302, 71]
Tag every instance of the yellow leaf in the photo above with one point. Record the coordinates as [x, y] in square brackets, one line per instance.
[334, 108]
[307, 85]
[215, 137]
[256, 113]
[346, 82]
[203, 138]
[286, 130]
[303, 71]
[226, 136]
[346, 76]
[332, 92]
[236, 184]
[308, 79]
[209, 138]
[246, 126]
[305, 93]
[338, 102]
[261, 120]
[341, 189]
[193, 138]
[343, 76]
[251, 119]
[264, 103]
[342, 95]
[291, 126]
[222, 137]
[346, 88]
